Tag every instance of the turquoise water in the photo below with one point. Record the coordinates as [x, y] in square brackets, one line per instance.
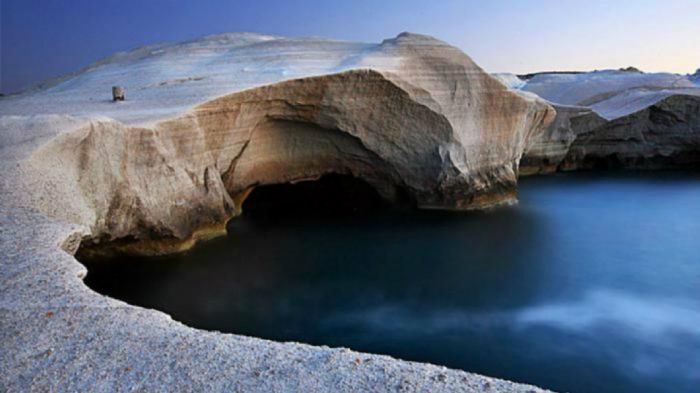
[590, 284]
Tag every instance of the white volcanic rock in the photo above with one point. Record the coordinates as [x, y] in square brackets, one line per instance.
[203, 122]
[622, 118]
[547, 151]
[664, 135]
[511, 80]
[207, 121]
[611, 93]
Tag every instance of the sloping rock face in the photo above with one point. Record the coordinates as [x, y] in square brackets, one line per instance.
[665, 135]
[622, 119]
[695, 78]
[611, 93]
[546, 152]
[411, 115]
[511, 80]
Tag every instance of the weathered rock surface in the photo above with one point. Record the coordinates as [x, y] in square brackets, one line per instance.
[665, 135]
[412, 115]
[612, 94]
[206, 121]
[546, 152]
[624, 119]
[695, 78]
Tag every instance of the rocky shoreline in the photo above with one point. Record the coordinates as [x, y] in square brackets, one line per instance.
[176, 160]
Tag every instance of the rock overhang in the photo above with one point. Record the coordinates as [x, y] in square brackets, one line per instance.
[68, 158]
[411, 113]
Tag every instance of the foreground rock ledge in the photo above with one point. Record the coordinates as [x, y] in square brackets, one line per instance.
[58, 335]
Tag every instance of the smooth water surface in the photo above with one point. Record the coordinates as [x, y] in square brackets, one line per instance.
[590, 284]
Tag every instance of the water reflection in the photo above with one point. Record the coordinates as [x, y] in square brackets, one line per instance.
[590, 284]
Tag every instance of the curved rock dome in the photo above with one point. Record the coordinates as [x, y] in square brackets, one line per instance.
[206, 121]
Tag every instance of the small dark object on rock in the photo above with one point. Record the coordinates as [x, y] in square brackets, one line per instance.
[118, 93]
[49, 314]
[631, 69]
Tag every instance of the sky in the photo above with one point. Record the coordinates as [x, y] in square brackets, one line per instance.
[41, 39]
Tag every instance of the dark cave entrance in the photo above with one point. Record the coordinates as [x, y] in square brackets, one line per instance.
[332, 194]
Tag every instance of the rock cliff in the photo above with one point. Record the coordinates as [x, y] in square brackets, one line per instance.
[176, 160]
[547, 151]
[622, 119]
[665, 135]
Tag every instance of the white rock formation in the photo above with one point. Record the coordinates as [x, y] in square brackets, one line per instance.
[622, 118]
[208, 120]
[611, 93]
[511, 80]
[203, 121]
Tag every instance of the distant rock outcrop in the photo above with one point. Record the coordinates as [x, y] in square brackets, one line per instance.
[632, 69]
[695, 78]
[624, 118]
[611, 94]
[411, 115]
[547, 152]
[665, 135]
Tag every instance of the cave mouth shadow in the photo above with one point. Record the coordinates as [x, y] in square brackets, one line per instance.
[332, 195]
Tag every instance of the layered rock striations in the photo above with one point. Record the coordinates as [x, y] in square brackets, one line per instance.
[546, 152]
[665, 135]
[620, 119]
[411, 116]
[611, 94]
[203, 123]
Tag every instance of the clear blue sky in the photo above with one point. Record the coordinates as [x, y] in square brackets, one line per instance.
[46, 38]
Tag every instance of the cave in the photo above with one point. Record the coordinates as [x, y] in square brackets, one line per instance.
[333, 194]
